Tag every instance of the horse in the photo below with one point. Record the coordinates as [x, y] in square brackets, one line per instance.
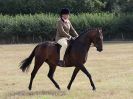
[75, 56]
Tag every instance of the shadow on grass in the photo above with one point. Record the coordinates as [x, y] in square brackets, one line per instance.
[34, 93]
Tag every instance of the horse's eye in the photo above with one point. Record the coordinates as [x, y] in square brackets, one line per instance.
[98, 39]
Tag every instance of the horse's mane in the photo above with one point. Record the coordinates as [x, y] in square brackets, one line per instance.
[88, 30]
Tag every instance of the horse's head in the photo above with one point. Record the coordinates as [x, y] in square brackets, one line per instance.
[96, 37]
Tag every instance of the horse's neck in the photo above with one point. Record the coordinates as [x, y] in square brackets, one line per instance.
[84, 40]
[79, 46]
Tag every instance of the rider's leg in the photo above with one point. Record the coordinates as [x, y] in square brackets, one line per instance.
[63, 43]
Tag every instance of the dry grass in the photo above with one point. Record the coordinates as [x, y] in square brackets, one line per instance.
[112, 72]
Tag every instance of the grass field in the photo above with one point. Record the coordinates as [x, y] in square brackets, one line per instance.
[112, 72]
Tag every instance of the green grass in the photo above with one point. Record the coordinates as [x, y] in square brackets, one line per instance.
[112, 72]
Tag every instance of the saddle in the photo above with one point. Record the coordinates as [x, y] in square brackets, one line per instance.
[70, 42]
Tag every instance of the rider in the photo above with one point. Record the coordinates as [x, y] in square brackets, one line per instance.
[63, 27]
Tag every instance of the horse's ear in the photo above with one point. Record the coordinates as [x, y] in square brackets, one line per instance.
[100, 29]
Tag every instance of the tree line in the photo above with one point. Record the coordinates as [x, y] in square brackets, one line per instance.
[41, 27]
[25, 21]
[13, 7]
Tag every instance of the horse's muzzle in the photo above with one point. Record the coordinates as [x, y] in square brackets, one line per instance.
[99, 50]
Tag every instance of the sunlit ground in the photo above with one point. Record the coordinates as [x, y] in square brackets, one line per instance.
[111, 70]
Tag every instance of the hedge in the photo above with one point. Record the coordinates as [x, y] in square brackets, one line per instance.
[42, 27]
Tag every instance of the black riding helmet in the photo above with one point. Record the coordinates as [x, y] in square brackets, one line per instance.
[64, 11]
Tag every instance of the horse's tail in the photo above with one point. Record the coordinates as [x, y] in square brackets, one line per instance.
[25, 64]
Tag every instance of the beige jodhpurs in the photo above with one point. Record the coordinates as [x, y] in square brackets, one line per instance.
[63, 43]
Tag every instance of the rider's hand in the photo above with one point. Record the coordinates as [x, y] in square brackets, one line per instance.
[70, 38]
[74, 37]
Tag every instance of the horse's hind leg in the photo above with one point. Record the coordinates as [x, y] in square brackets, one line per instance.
[38, 63]
[76, 70]
[52, 69]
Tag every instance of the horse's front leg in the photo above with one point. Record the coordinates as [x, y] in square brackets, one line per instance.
[84, 70]
[76, 70]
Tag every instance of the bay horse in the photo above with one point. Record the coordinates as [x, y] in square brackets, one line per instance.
[75, 56]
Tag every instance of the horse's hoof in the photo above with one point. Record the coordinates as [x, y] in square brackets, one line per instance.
[58, 88]
[94, 89]
[29, 88]
[68, 87]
